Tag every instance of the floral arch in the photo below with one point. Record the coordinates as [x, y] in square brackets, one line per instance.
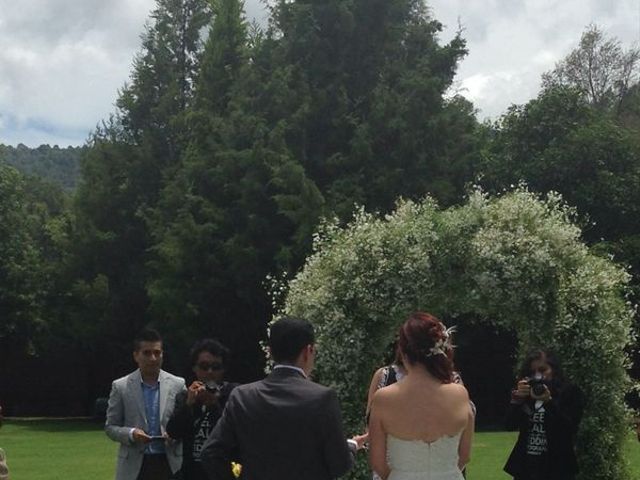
[516, 262]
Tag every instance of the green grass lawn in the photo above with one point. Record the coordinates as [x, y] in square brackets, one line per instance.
[53, 449]
[79, 450]
[491, 449]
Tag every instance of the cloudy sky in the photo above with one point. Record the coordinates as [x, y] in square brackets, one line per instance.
[63, 61]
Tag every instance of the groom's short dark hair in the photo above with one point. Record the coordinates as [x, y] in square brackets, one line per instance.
[287, 337]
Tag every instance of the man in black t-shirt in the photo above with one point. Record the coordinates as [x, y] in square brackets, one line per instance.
[199, 408]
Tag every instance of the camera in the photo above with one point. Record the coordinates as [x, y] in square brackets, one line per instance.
[212, 387]
[538, 385]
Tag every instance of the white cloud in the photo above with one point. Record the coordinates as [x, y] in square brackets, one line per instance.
[512, 42]
[62, 64]
[63, 61]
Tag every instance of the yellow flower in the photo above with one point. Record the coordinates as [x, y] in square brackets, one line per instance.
[236, 469]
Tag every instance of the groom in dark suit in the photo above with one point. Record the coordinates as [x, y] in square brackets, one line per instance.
[284, 427]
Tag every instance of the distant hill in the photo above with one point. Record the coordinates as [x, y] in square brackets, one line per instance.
[58, 165]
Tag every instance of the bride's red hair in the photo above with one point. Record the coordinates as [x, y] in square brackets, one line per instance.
[418, 336]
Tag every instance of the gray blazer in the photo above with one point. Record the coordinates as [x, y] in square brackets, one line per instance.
[284, 427]
[4, 470]
[126, 411]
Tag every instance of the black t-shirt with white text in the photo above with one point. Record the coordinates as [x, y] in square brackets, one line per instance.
[536, 446]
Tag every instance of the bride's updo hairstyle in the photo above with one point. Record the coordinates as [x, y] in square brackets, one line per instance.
[424, 339]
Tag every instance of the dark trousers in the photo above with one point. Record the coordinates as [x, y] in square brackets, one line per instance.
[155, 467]
[545, 477]
[194, 471]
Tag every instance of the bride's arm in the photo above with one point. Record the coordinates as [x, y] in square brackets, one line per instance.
[377, 441]
[464, 449]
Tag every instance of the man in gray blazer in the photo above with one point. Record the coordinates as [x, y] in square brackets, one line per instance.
[284, 427]
[139, 408]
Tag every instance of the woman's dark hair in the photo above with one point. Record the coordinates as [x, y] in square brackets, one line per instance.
[418, 335]
[549, 357]
[392, 353]
[214, 347]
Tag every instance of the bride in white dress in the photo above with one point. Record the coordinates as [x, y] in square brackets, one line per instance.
[421, 428]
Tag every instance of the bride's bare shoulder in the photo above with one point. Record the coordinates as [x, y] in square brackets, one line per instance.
[457, 391]
[386, 394]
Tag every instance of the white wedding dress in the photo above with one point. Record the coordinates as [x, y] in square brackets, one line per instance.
[418, 460]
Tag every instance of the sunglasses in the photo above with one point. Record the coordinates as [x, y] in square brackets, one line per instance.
[213, 366]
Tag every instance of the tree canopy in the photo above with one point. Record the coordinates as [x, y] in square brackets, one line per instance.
[599, 68]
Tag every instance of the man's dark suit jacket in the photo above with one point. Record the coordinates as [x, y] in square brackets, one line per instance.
[284, 427]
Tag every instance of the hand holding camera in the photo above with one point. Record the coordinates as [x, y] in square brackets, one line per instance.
[211, 393]
[539, 388]
[522, 391]
[532, 387]
[193, 391]
[203, 393]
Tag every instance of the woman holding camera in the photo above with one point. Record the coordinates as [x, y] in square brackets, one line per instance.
[547, 411]
[199, 408]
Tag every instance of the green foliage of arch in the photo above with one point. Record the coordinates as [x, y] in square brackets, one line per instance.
[516, 261]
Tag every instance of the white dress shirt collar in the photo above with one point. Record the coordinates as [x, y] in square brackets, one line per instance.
[292, 367]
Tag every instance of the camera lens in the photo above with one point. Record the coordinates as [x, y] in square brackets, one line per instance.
[538, 389]
[537, 385]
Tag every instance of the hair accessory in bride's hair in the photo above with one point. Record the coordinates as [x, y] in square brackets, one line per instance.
[444, 344]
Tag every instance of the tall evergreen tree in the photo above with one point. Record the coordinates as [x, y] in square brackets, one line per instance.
[224, 56]
[164, 71]
[309, 111]
[371, 120]
[231, 215]
[125, 168]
